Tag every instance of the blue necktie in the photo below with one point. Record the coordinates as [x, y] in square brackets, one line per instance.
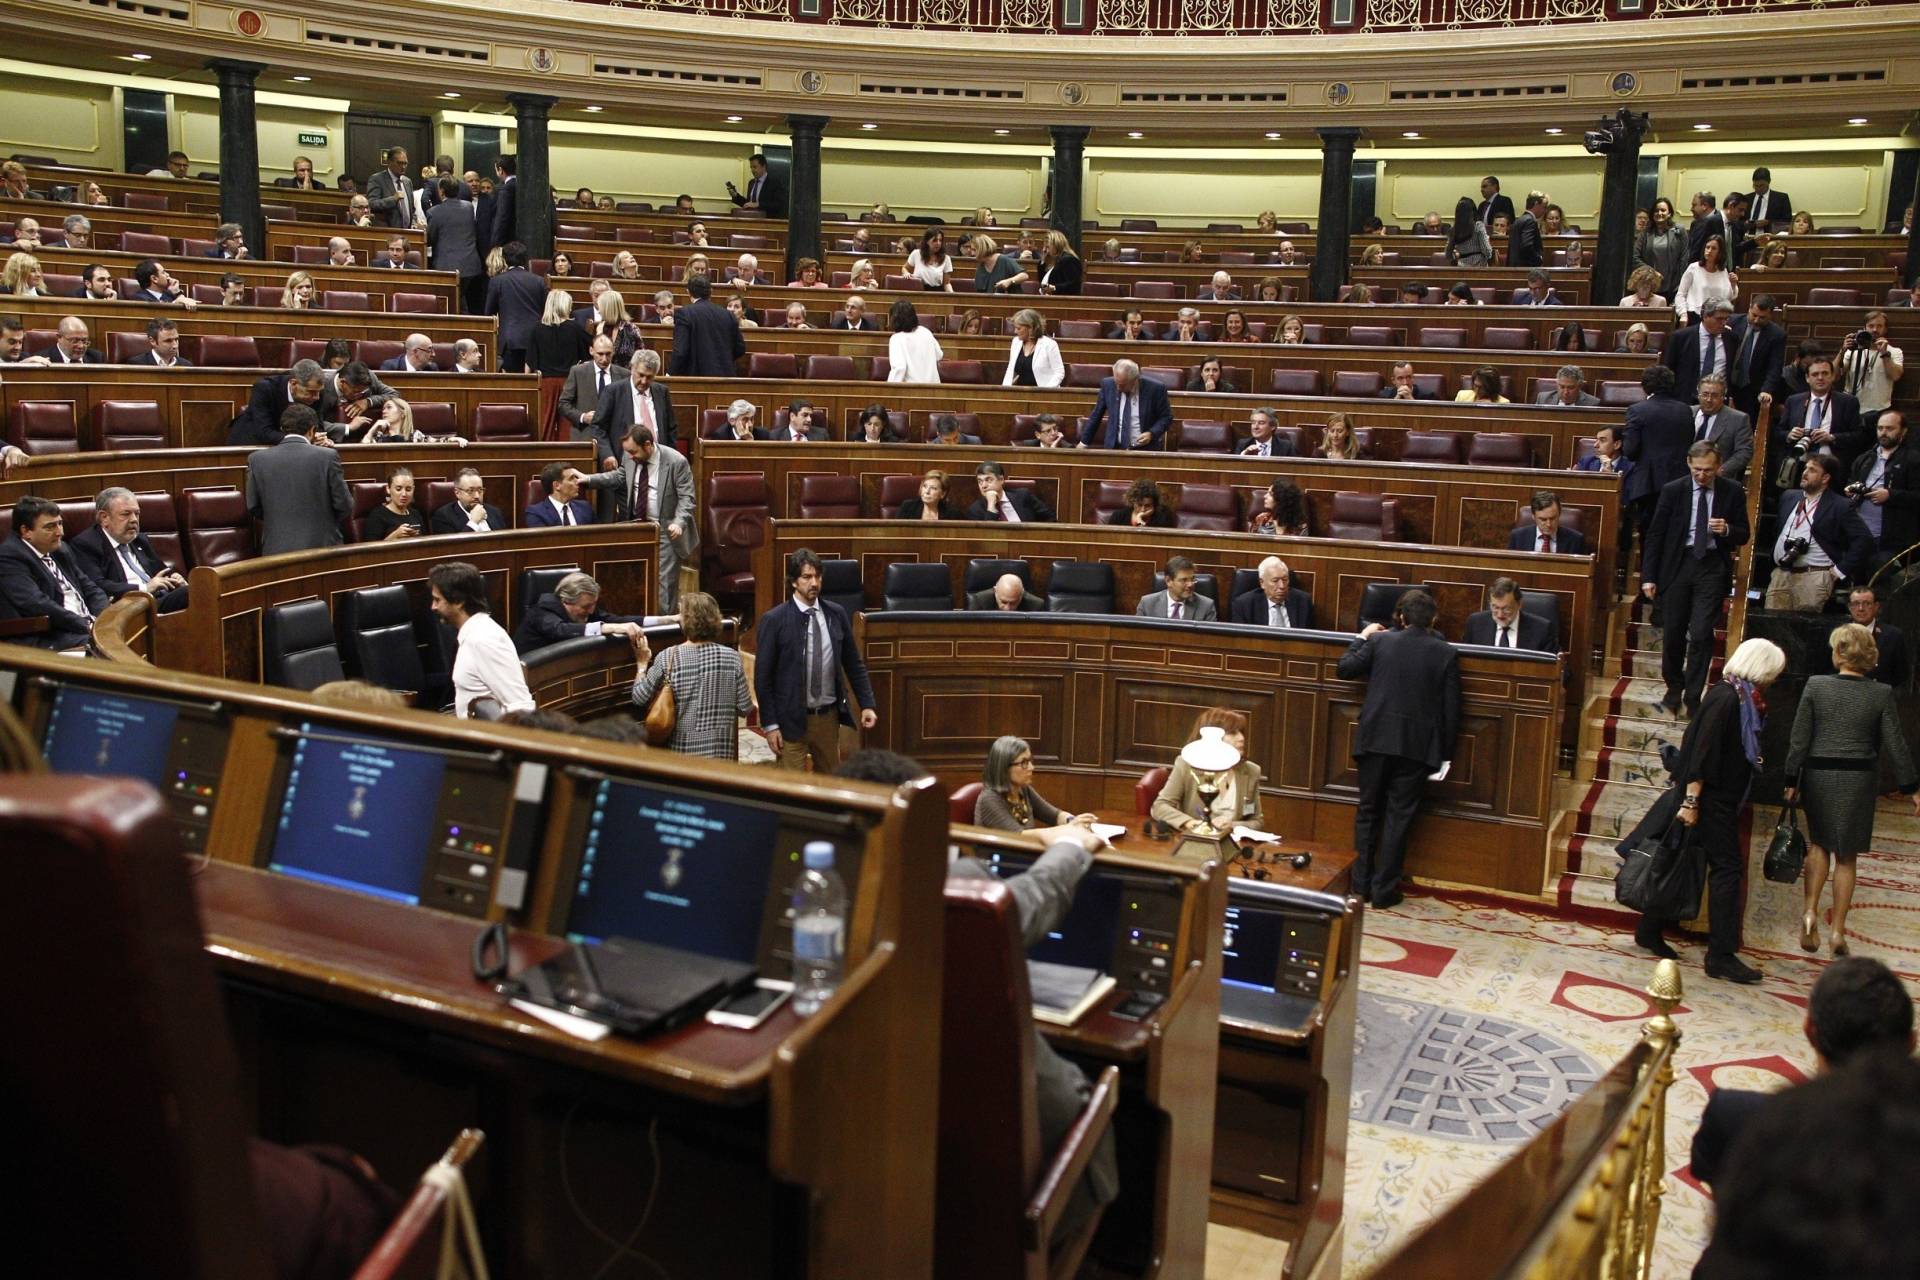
[1702, 535]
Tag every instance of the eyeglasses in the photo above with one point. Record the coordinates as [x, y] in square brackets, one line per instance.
[1023, 760]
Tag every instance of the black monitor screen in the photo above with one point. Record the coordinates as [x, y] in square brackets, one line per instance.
[359, 815]
[1250, 950]
[110, 734]
[675, 869]
[1085, 936]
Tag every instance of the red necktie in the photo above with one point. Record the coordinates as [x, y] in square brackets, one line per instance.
[1546, 543]
[1176, 611]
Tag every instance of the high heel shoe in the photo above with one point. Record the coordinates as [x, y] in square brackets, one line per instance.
[1809, 933]
[1840, 945]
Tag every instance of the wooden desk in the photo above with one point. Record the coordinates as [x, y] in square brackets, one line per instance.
[378, 284]
[1329, 872]
[108, 221]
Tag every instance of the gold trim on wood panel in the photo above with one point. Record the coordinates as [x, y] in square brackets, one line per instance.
[926, 649]
[983, 650]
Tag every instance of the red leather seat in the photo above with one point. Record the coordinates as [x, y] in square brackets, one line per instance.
[443, 357]
[961, 803]
[1087, 375]
[878, 368]
[895, 490]
[1200, 435]
[313, 349]
[1506, 338]
[424, 304]
[228, 351]
[1431, 446]
[1148, 789]
[218, 527]
[737, 514]
[633, 235]
[969, 423]
[1208, 506]
[61, 285]
[143, 200]
[269, 295]
[1079, 329]
[1499, 449]
[568, 231]
[1162, 289]
[1100, 289]
[1026, 426]
[161, 523]
[1356, 382]
[713, 424]
[310, 255]
[125, 348]
[1436, 336]
[1139, 224]
[830, 369]
[1365, 516]
[1110, 497]
[44, 426]
[129, 424]
[344, 300]
[492, 422]
[1166, 375]
[902, 282]
[374, 352]
[366, 495]
[207, 295]
[749, 242]
[145, 243]
[439, 494]
[1621, 393]
[1296, 382]
[1373, 335]
[434, 417]
[830, 498]
[773, 364]
[972, 372]
[1830, 297]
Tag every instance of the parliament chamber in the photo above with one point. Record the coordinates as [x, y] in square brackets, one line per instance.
[1212, 823]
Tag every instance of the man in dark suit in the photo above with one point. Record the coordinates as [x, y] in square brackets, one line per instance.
[304, 384]
[1178, 601]
[1863, 606]
[569, 611]
[40, 578]
[1569, 390]
[1828, 420]
[1822, 541]
[1700, 350]
[1266, 440]
[1278, 603]
[155, 285]
[764, 191]
[229, 243]
[1503, 624]
[96, 284]
[805, 646]
[1659, 429]
[74, 345]
[946, 430]
[1857, 1006]
[803, 424]
[469, 512]
[1007, 595]
[1492, 203]
[1539, 291]
[1740, 243]
[1699, 520]
[1886, 481]
[416, 356]
[1767, 208]
[1759, 348]
[453, 243]
[853, 315]
[1401, 386]
[1546, 534]
[563, 504]
[296, 489]
[443, 167]
[639, 399]
[517, 297]
[163, 347]
[706, 337]
[740, 424]
[121, 559]
[1708, 222]
[390, 191]
[1132, 412]
[1408, 725]
[1729, 429]
[580, 396]
[997, 502]
[502, 227]
[1524, 242]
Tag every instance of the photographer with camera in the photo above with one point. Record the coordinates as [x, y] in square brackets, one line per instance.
[1820, 419]
[1822, 541]
[1886, 489]
[1869, 367]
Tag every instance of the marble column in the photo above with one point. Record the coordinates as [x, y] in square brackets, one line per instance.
[240, 151]
[1069, 162]
[1619, 192]
[533, 179]
[1333, 234]
[803, 192]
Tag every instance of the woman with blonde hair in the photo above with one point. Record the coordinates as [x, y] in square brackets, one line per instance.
[1267, 221]
[496, 261]
[1641, 285]
[708, 679]
[1636, 340]
[1193, 251]
[1061, 267]
[931, 502]
[1374, 255]
[611, 319]
[554, 347]
[1338, 442]
[1292, 332]
[1180, 804]
[697, 265]
[1841, 726]
[298, 293]
[626, 266]
[1360, 294]
[23, 277]
[394, 424]
[983, 217]
[994, 271]
[1034, 359]
[863, 277]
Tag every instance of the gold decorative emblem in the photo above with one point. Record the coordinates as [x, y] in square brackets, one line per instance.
[543, 60]
[1073, 94]
[812, 82]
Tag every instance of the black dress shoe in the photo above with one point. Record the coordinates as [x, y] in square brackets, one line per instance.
[1671, 702]
[1670, 757]
[1656, 944]
[1732, 969]
[1391, 898]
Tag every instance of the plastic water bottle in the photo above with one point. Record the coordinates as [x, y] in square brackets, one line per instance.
[819, 928]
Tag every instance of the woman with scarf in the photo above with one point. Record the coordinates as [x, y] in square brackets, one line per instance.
[1718, 759]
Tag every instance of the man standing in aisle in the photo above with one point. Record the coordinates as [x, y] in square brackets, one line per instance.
[805, 644]
[1687, 565]
[654, 484]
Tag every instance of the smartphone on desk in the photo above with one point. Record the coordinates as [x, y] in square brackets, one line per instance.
[749, 1009]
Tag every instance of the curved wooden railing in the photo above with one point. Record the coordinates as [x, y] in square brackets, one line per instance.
[1743, 561]
[1583, 1198]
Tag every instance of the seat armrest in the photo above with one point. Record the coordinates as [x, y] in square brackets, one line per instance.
[1069, 1163]
[10, 627]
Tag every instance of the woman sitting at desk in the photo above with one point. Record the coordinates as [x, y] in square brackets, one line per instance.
[1146, 507]
[1180, 805]
[1007, 800]
[932, 503]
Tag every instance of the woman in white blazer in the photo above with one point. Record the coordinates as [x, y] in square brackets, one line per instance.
[1034, 358]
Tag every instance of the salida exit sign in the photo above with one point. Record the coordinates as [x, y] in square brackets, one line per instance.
[313, 139]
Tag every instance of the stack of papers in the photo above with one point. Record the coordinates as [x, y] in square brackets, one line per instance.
[1063, 992]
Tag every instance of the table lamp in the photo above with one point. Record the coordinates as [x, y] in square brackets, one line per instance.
[1209, 756]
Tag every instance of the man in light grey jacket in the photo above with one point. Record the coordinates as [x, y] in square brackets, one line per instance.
[1179, 601]
[296, 489]
[662, 481]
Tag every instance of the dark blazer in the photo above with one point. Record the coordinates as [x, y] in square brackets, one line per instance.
[1843, 419]
[1552, 398]
[1025, 503]
[218, 252]
[541, 514]
[1666, 543]
[1278, 446]
[1727, 1114]
[1249, 608]
[912, 507]
[1779, 207]
[102, 563]
[771, 199]
[504, 224]
[286, 487]
[1535, 632]
[516, 296]
[547, 623]
[395, 364]
[1769, 351]
[90, 356]
[389, 204]
[29, 591]
[1659, 433]
[613, 417]
[452, 518]
[387, 262]
[839, 321]
[1491, 209]
[1156, 415]
[706, 341]
[1900, 513]
[1162, 518]
[1838, 529]
[1066, 277]
[725, 432]
[779, 671]
[259, 423]
[1390, 392]
[453, 238]
[1523, 242]
[1682, 355]
[983, 602]
[149, 359]
[1401, 716]
[1704, 228]
[1732, 431]
[1893, 667]
[1566, 542]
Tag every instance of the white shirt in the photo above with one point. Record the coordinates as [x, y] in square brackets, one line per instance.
[129, 562]
[70, 598]
[477, 517]
[914, 356]
[485, 665]
[1277, 614]
[1866, 377]
[563, 510]
[933, 275]
[1800, 525]
[1698, 284]
[1506, 635]
[1633, 300]
[1048, 369]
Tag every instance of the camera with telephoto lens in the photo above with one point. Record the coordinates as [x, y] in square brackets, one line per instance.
[1795, 548]
[1864, 339]
[1856, 491]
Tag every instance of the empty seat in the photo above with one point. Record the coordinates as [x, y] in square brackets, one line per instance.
[967, 371]
[1430, 446]
[125, 348]
[1078, 587]
[129, 424]
[840, 584]
[374, 352]
[161, 525]
[1499, 449]
[895, 490]
[1356, 382]
[434, 417]
[829, 497]
[772, 364]
[1208, 506]
[1830, 297]
[381, 647]
[1087, 375]
[1380, 599]
[269, 295]
[229, 351]
[736, 515]
[1373, 335]
[1622, 393]
[1296, 382]
[207, 295]
[143, 200]
[296, 645]
[218, 527]
[310, 255]
[1436, 336]
[1203, 436]
[501, 422]
[1079, 329]
[417, 304]
[43, 426]
[1163, 289]
[1366, 516]
[145, 243]
[830, 368]
[344, 300]
[924, 587]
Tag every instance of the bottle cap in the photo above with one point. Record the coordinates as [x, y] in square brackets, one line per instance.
[818, 855]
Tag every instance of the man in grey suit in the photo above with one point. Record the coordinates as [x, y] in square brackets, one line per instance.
[1179, 602]
[390, 191]
[1730, 430]
[1569, 389]
[654, 483]
[295, 488]
[453, 244]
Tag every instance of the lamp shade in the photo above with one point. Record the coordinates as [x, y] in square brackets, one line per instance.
[1210, 752]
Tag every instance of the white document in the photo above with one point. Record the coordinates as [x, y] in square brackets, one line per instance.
[577, 1027]
[1109, 831]
[1258, 837]
[1441, 775]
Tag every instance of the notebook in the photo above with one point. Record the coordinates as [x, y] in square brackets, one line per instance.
[636, 988]
[1062, 993]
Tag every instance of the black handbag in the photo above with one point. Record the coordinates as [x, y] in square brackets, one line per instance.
[1788, 848]
[1665, 879]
